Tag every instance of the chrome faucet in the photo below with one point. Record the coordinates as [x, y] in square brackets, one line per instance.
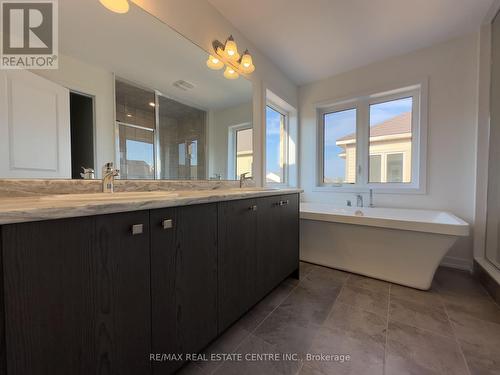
[108, 177]
[88, 173]
[243, 178]
[359, 200]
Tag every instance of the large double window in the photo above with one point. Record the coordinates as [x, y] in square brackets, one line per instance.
[374, 141]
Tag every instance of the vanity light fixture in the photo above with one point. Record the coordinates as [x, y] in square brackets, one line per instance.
[214, 63]
[117, 6]
[230, 73]
[226, 55]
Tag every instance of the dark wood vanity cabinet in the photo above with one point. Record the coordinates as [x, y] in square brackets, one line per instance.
[98, 295]
[277, 240]
[76, 295]
[183, 281]
[258, 248]
[237, 259]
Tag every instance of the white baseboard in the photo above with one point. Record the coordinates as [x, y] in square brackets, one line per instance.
[458, 263]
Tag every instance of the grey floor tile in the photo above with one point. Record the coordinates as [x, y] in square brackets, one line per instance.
[360, 356]
[462, 283]
[426, 316]
[334, 312]
[365, 299]
[227, 343]
[424, 297]
[256, 316]
[305, 268]
[374, 285]
[411, 350]
[191, 369]
[357, 323]
[288, 332]
[352, 332]
[252, 362]
[308, 370]
[312, 304]
[462, 307]
[480, 342]
[324, 279]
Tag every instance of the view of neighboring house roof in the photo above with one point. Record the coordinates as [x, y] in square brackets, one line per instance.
[396, 125]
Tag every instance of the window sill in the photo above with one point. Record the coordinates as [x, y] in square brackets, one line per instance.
[412, 189]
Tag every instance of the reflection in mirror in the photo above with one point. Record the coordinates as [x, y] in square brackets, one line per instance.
[182, 134]
[141, 97]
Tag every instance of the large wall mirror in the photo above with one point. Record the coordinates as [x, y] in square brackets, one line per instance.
[130, 90]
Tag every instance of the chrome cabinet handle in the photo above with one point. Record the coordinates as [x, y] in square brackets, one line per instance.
[253, 208]
[283, 203]
[137, 229]
[167, 224]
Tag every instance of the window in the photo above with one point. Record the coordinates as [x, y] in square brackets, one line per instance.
[391, 138]
[240, 150]
[136, 152]
[276, 145]
[244, 151]
[339, 147]
[375, 141]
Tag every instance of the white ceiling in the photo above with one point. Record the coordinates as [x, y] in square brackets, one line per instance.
[314, 39]
[138, 47]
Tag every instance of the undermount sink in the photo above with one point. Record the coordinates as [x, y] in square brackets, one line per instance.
[252, 189]
[111, 196]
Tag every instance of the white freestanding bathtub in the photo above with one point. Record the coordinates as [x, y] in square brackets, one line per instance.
[403, 246]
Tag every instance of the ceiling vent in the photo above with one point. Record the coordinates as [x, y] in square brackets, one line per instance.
[183, 85]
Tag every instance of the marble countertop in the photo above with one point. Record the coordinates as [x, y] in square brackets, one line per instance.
[58, 206]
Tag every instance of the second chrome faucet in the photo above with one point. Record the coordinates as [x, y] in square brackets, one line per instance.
[108, 177]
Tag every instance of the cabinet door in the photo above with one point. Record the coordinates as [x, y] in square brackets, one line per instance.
[183, 281]
[50, 298]
[123, 304]
[268, 244]
[289, 235]
[237, 259]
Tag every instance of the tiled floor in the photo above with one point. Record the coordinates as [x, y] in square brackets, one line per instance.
[385, 329]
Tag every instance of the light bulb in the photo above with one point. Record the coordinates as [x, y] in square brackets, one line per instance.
[117, 6]
[231, 50]
[230, 73]
[214, 63]
[247, 63]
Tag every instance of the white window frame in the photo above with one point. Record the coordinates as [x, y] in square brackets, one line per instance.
[362, 105]
[286, 171]
[231, 149]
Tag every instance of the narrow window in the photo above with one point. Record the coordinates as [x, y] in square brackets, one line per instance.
[244, 152]
[276, 146]
[339, 147]
[391, 139]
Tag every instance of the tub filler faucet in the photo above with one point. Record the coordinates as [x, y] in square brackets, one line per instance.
[359, 200]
